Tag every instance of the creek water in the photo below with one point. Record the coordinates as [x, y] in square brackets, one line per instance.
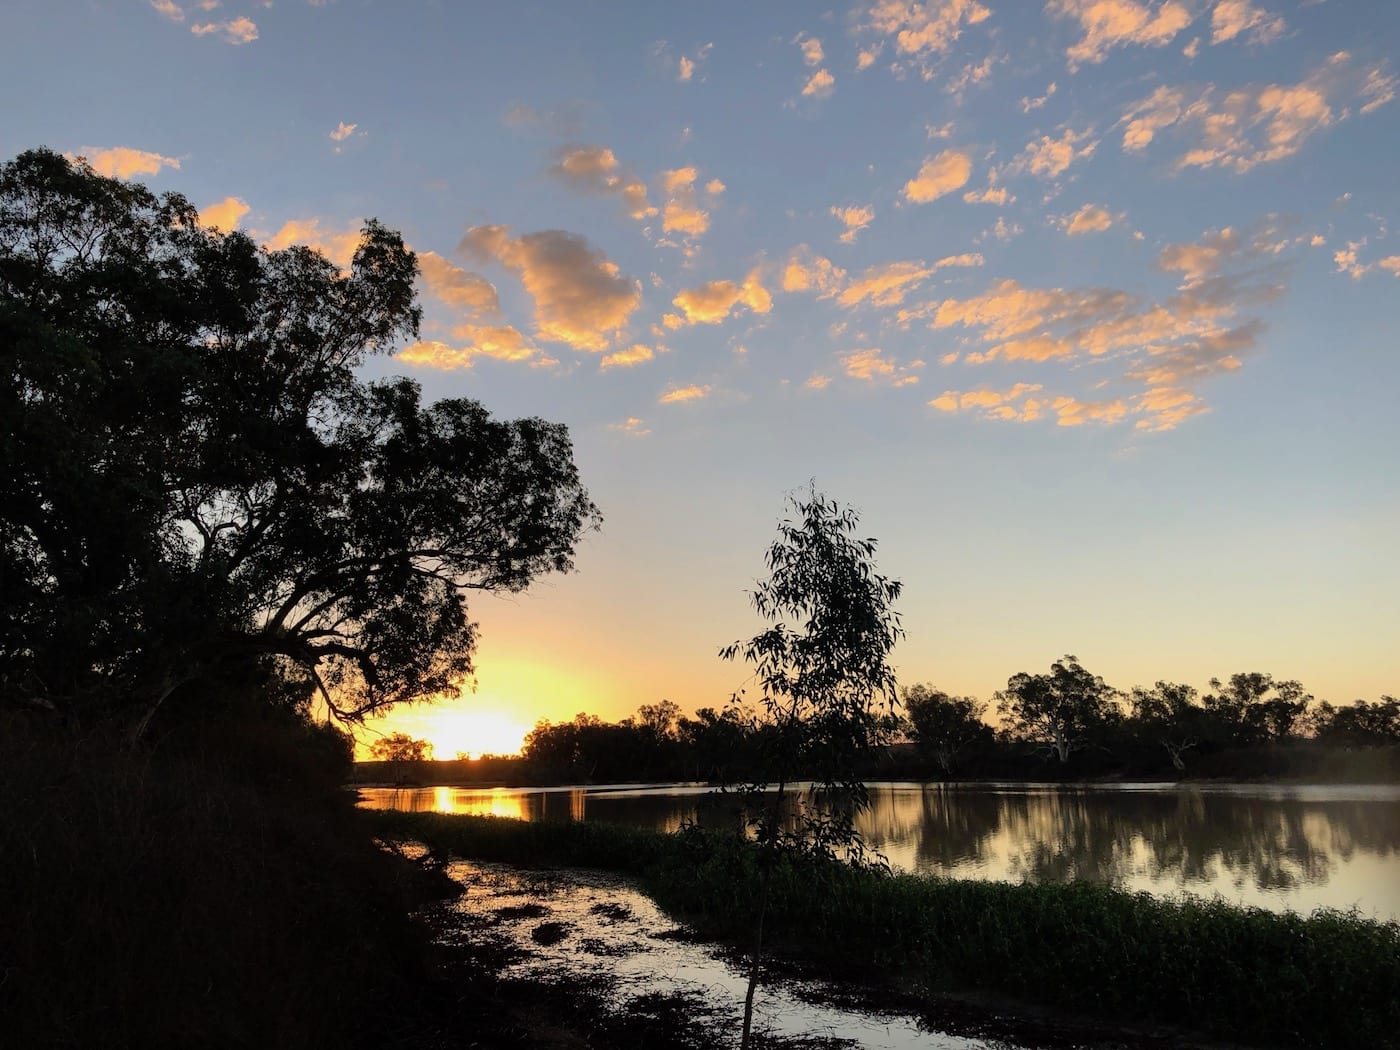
[1278, 847]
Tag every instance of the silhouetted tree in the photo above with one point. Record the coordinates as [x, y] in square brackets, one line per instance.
[1061, 711]
[823, 686]
[192, 475]
[400, 747]
[944, 726]
[1170, 716]
[1253, 709]
[1360, 724]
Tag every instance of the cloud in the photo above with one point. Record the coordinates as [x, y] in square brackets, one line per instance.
[635, 354]
[816, 381]
[336, 245]
[991, 194]
[501, 343]
[687, 66]
[884, 285]
[714, 187]
[123, 162]
[1248, 126]
[870, 365]
[225, 214]
[169, 9]
[808, 272]
[595, 169]
[1028, 104]
[450, 284]
[682, 212]
[1107, 24]
[240, 30]
[993, 404]
[820, 84]
[1050, 157]
[631, 426]
[677, 394]
[343, 131]
[970, 74]
[580, 296]
[1089, 219]
[812, 53]
[713, 301]
[867, 56]
[938, 176]
[1391, 264]
[1233, 17]
[1166, 348]
[854, 218]
[923, 30]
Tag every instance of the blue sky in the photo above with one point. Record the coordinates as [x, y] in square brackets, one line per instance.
[1088, 305]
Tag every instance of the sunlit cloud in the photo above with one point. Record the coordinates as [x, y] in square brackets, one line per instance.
[169, 9]
[450, 284]
[807, 271]
[1091, 218]
[631, 426]
[682, 212]
[635, 354]
[595, 169]
[820, 84]
[817, 381]
[498, 342]
[580, 296]
[1248, 126]
[921, 32]
[939, 176]
[224, 215]
[855, 218]
[884, 285]
[867, 57]
[343, 131]
[1233, 17]
[1108, 24]
[1028, 103]
[1391, 264]
[811, 47]
[336, 245]
[1050, 156]
[970, 75]
[1009, 404]
[677, 394]
[871, 365]
[688, 65]
[240, 30]
[713, 301]
[123, 162]
[990, 194]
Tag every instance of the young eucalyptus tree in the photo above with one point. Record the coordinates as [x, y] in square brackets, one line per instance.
[825, 680]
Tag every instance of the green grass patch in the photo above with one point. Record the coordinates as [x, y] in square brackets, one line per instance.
[1325, 980]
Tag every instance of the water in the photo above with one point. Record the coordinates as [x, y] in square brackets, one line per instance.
[1293, 847]
[612, 934]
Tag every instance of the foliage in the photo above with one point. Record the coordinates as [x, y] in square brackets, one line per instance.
[1252, 708]
[1230, 971]
[1169, 714]
[192, 476]
[944, 726]
[822, 687]
[1061, 711]
[400, 747]
[1360, 724]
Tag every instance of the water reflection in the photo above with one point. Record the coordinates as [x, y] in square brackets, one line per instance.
[1298, 847]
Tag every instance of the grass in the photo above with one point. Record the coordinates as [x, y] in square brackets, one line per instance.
[1325, 980]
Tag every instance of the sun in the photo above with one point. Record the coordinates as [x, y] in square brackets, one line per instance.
[473, 733]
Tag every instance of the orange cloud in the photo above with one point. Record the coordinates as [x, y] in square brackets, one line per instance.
[1233, 17]
[713, 301]
[580, 296]
[169, 9]
[820, 84]
[806, 271]
[595, 169]
[1107, 24]
[677, 394]
[870, 365]
[1009, 404]
[224, 215]
[938, 176]
[884, 285]
[123, 162]
[240, 30]
[343, 131]
[336, 245]
[450, 284]
[855, 219]
[1050, 157]
[502, 343]
[1089, 219]
[682, 213]
[631, 426]
[632, 355]
[922, 30]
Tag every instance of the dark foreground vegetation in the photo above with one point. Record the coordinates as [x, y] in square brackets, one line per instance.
[1327, 980]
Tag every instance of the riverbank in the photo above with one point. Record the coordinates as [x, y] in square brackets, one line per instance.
[1233, 973]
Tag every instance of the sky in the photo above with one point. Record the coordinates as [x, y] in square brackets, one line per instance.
[1088, 306]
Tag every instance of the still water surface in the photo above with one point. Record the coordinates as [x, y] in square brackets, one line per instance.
[1298, 847]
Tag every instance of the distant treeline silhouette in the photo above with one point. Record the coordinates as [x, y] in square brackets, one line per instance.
[1062, 725]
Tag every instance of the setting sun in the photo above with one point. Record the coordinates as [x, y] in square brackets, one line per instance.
[454, 731]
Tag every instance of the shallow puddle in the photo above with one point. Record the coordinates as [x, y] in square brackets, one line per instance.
[595, 929]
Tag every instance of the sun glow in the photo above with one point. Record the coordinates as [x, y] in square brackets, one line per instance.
[473, 733]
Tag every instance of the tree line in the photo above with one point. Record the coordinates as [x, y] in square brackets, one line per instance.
[1061, 723]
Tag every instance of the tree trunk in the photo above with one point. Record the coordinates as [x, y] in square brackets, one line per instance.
[756, 958]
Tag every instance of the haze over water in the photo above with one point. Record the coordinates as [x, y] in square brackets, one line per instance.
[1298, 847]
